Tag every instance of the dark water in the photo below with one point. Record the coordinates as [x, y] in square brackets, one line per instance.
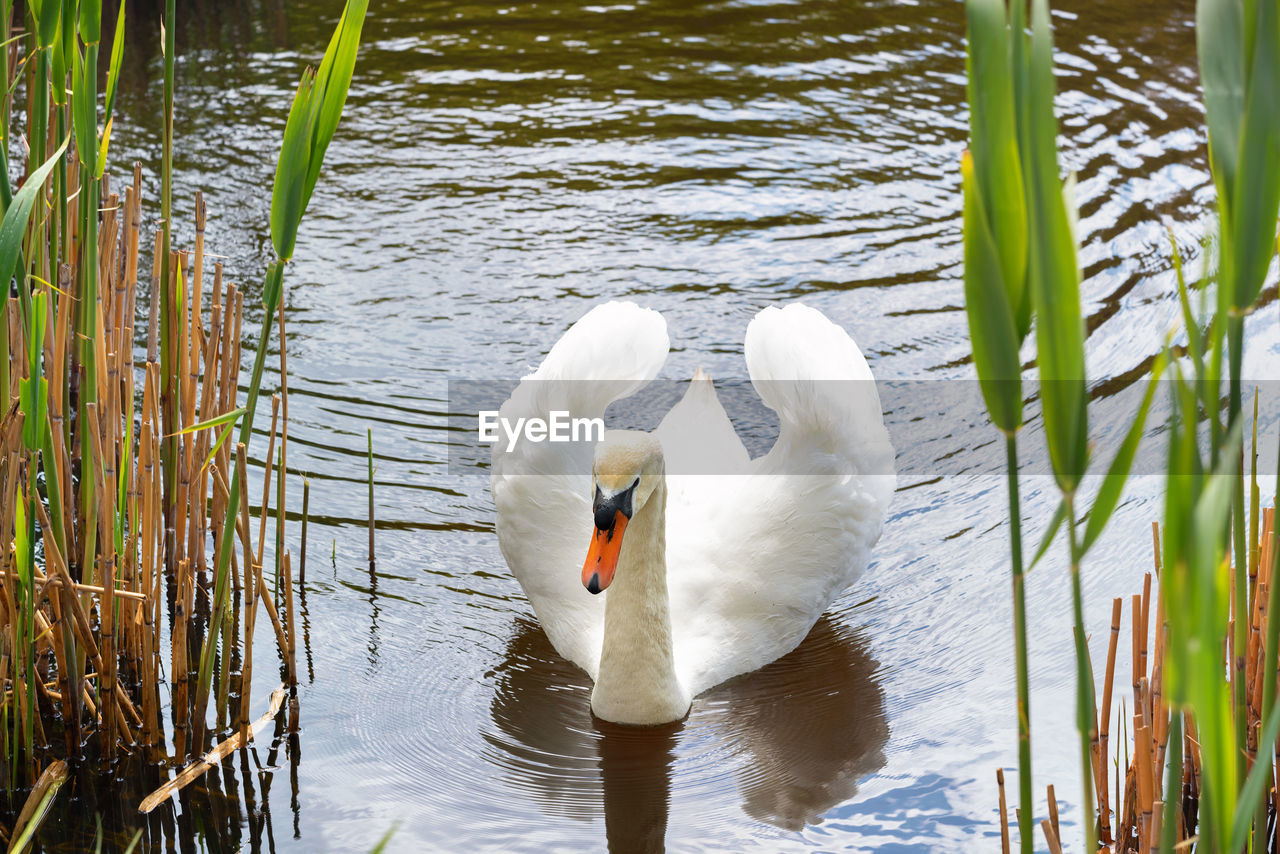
[503, 167]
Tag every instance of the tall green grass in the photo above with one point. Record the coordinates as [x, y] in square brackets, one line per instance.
[1022, 273]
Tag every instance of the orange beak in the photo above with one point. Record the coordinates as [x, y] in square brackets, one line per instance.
[602, 557]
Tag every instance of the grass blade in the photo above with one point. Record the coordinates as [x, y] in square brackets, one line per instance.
[14, 225]
[333, 81]
[291, 172]
[991, 322]
[1054, 274]
[113, 70]
[1252, 220]
[1113, 484]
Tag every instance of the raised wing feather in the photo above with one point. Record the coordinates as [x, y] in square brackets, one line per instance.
[542, 491]
[754, 560]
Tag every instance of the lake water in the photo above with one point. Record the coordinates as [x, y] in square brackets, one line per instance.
[500, 169]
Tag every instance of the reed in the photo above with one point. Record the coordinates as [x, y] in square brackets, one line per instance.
[1020, 266]
[369, 437]
[1201, 763]
[1158, 796]
[997, 299]
[121, 494]
[302, 557]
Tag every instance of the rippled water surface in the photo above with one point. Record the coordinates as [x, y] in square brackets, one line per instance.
[503, 167]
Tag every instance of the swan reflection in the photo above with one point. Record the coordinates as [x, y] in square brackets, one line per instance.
[797, 736]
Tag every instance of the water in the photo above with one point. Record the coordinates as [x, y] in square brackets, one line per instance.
[500, 169]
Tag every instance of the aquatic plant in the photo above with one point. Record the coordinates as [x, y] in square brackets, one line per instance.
[114, 472]
[1020, 263]
[997, 301]
[1210, 691]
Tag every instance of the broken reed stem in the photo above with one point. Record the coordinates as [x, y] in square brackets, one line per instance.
[1053, 812]
[196, 769]
[42, 580]
[292, 652]
[369, 433]
[1004, 813]
[1051, 837]
[302, 556]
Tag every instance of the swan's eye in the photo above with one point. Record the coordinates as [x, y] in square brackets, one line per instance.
[637, 483]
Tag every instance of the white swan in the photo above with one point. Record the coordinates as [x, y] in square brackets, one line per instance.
[708, 576]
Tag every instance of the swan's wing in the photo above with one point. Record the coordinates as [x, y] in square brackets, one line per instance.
[754, 560]
[542, 491]
[697, 436]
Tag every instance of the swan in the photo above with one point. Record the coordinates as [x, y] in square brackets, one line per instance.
[656, 578]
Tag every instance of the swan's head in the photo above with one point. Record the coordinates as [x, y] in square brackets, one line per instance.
[628, 468]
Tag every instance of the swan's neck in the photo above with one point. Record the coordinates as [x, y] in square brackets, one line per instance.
[637, 681]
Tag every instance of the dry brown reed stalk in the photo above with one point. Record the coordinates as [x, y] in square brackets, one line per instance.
[1131, 805]
[292, 662]
[302, 557]
[134, 488]
[1104, 816]
[1053, 812]
[210, 759]
[1004, 813]
[1051, 836]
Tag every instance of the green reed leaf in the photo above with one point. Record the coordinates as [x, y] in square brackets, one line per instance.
[1053, 273]
[1256, 197]
[113, 69]
[64, 44]
[14, 224]
[1219, 37]
[84, 111]
[1195, 587]
[33, 391]
[1059, 516]
[1211, 698]
[1118, 474]
[103, 144]
[90, 22]
[217, 445]
[291, 171]
[991, 325]
[385, 840]
[994, 143]
[333, 81]
[1195, 336]
[225, 418]
[47, 14]
[313, 119]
